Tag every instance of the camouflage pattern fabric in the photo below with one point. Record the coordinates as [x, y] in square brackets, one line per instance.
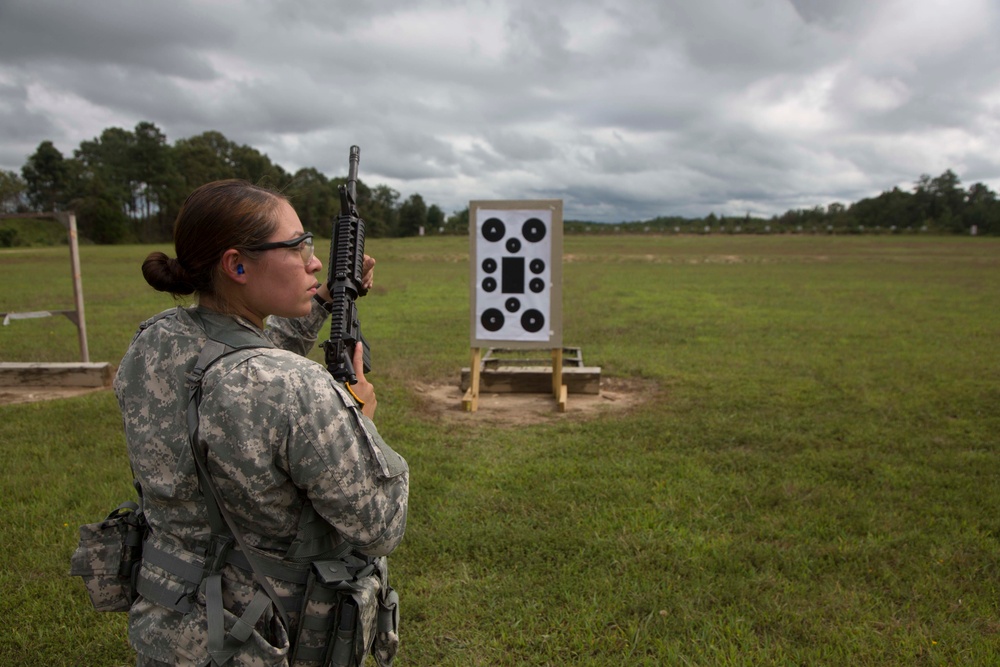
[280, 435]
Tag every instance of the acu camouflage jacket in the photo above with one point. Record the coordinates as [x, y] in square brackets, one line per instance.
[281, 435]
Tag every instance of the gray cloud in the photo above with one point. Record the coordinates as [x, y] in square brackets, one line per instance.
[627, 109]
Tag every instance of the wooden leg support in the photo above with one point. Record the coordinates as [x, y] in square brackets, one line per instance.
[470, 402]
[558, 388]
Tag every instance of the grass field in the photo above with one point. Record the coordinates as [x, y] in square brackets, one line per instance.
[814, 480]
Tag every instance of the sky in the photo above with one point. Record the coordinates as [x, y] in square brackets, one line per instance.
[624, 109]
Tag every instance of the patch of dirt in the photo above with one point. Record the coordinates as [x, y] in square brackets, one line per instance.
[443, 402]
[12, 395]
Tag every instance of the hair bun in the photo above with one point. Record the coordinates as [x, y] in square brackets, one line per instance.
[166, 274]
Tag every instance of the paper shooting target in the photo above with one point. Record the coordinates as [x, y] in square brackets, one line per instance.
[516, 273]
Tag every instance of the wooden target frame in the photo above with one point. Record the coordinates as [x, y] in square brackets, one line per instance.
[515, 269]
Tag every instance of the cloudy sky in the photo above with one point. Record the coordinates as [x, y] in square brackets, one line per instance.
[625, 109]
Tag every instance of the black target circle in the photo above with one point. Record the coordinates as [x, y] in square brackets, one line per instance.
[512, 305]
[489, 284]
[489, 265]
[494, 229]
[536, 266]
[533, 230]
[492, 319]
[513, 245]
[532, 320]
[537, 285]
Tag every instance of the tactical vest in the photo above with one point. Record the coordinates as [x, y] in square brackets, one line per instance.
[346, 607]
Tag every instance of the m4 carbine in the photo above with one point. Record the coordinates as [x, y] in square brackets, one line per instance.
[347, 256]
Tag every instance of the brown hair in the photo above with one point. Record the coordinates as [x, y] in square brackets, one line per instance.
[214, 218]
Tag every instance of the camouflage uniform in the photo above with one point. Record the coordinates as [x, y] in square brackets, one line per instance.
[281, 435]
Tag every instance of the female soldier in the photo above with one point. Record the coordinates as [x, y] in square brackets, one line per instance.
[286, 446]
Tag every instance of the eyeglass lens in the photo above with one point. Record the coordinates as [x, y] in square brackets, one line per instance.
[307, 250]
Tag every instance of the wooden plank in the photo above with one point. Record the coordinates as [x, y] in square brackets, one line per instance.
[497, 357]
[470, 402]
[14, 374]
[562, 398]
[534, 380]
[557, 371]
[69, 219]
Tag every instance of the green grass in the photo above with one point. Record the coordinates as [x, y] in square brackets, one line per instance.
[814, 481]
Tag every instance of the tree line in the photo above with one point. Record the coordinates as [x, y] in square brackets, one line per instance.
[127, 186]
[935, 205]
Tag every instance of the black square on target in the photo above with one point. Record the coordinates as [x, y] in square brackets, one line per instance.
[513, 275]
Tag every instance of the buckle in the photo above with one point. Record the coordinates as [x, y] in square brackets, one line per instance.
[218, 551]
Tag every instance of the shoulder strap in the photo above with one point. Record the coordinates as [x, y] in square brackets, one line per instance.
[221, 328]
[224, 530]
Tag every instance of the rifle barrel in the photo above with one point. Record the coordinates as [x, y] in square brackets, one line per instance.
[352, 172]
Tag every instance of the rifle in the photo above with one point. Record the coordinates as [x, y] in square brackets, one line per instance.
[347, 256]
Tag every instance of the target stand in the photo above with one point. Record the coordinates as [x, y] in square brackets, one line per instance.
[511, 379]
[505, 371]
[515, 251]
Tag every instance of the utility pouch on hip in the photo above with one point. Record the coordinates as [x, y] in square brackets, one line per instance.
[387, 639]
[108, 555]
[339, 618]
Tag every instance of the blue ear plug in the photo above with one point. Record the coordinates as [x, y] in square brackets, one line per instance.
[239, 269]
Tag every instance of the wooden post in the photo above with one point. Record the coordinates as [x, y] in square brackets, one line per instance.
[471, 400]
[74, 258]
[559, 390]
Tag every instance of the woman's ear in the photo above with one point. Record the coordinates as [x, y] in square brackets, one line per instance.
[232, 266]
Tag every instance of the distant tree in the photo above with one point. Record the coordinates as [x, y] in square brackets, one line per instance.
[980, 193]
[458, 222]
[47, 178]
[940, 200]
[105, 166]
[133, 170]
[12, 192]
[893, 208]
[947, 188]
[380, 212]
[101, 219]
[142, 177]
[153, 172]
[412, 215]
[313, 197]
[203, 158]
[982, 210]
[253, 166]
[435, 219]
[924, 197]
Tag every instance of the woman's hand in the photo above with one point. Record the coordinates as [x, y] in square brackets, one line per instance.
[367, 279]
[368, 272]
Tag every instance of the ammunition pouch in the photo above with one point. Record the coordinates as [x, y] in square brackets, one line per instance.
[348, 611]
[108, 555]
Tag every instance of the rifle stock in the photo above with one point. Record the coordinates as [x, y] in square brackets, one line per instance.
[347, 256]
